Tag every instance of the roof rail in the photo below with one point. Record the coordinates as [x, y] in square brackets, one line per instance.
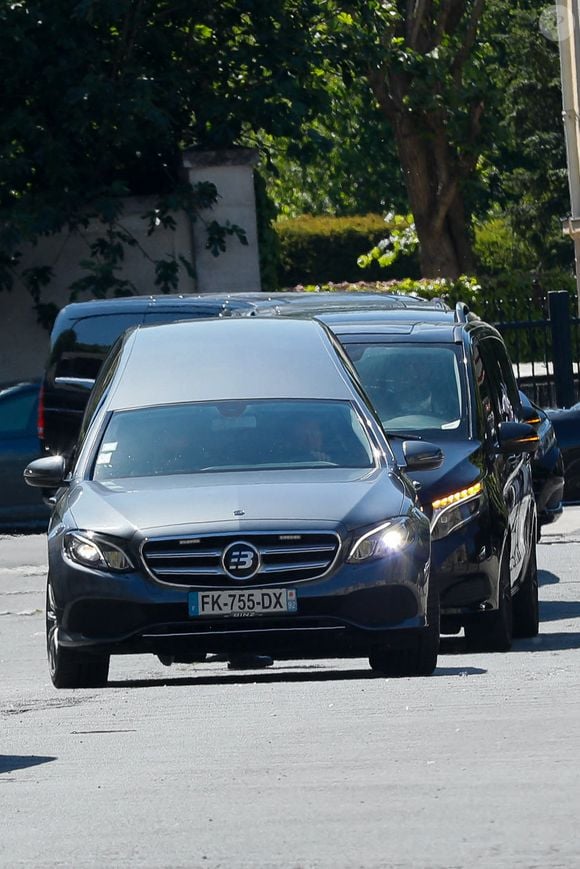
[461, 312]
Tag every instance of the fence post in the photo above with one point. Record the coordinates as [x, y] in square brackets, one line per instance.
[559, 307]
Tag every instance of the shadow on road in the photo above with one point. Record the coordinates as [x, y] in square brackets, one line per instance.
[11, 762]
[545, 642]
[277, 676]
[546, 577]
[557, 610]
[459, 671]
[548, 643]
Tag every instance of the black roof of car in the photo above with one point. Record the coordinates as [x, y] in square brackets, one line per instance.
[419, 324]
[414, 332]
[127, 304]
[244, 301]
[345, 304]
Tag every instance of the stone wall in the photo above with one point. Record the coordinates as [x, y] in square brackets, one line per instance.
[237, 269]
[24, 343]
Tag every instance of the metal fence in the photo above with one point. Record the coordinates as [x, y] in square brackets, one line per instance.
[544, 347]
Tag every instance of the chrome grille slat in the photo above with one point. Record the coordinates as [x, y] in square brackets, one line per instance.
[308, 565]
[188, 571]
[297, 550]
[204, 553]
[198, 563]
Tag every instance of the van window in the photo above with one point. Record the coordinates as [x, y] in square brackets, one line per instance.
[79, 351]
[106, 375]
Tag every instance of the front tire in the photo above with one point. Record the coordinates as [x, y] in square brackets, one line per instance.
[420, 659]
[493, 632]
[526, 604]
[70, 668]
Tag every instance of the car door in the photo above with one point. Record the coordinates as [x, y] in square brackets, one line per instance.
[19, 445]
[514, 470]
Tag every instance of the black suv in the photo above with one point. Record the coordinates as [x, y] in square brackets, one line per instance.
[445, 377]
[84, 333]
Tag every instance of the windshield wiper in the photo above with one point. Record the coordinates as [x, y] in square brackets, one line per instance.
[403, 435]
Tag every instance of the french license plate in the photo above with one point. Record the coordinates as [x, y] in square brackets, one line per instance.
[255, 601]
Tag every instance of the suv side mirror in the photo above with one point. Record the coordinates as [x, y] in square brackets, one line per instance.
[422, 456]
[46, 473]
[517, 438]
[532, 416]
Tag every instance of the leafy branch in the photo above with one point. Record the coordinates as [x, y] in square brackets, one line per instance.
[401, 241]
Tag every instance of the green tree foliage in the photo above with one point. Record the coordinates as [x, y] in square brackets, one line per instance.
[100, 95]
[470, 95]
[425, 62]
[439, 107]
[523, 177]
[345, 162]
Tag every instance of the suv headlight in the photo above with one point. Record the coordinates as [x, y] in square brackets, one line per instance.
[453, 511]
[98, 553]
[389, 537]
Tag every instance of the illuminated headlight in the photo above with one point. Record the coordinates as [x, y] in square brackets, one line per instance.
[453, 511]
[380, 541]
[92, 552]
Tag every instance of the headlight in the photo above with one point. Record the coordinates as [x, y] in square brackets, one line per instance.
[93, 552]
[453, 511]
[380, 541]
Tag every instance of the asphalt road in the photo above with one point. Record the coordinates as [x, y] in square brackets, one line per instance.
[317, 764]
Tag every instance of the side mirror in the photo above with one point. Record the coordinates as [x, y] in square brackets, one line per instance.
[422, 456]
[45, 473]
[517, 438]
[532, 416]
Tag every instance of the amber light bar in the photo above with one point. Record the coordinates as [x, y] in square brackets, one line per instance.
[457, 497]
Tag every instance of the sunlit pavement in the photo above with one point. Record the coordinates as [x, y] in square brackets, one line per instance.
[303, 764]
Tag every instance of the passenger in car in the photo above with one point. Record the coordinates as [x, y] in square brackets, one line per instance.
[308, 442]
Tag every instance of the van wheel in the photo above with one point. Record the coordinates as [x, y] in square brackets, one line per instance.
[420, 659]
[493, 632]
[526, 606]
[70, 668]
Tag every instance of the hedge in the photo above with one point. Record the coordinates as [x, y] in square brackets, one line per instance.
[320, 250]
[517, 295]
[323, 249]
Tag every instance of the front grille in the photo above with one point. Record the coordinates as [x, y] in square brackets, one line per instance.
[197, 561]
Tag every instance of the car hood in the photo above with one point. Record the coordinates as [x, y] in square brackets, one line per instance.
[237, 501]
[463, 463]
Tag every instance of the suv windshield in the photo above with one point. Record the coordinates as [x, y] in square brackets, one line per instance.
[414, 387]
[232, 435]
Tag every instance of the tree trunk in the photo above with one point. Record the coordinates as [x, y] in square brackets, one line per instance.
[433, 177]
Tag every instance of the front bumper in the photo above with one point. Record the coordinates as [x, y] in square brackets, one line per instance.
[465, 569]
[351, 610]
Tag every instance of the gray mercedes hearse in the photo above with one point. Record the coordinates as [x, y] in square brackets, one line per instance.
[233, 491]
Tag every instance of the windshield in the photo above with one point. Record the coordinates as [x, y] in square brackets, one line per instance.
[415, 388]
[232, 435]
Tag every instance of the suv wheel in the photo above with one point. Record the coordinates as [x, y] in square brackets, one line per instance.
[493, 632]
[419, 659]
[526, 606]
[69, 668]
